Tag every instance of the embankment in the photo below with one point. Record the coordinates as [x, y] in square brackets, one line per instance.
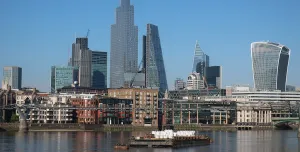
[100, 127]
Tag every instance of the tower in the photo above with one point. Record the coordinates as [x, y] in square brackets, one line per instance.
[124, 45]
[81, 58]
[155, 68]
[269, 64]
[201, 60]
[12, 76]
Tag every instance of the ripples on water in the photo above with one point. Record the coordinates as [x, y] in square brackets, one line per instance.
[241, 141]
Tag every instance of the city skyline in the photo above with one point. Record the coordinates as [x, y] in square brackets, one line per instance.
[233, 38]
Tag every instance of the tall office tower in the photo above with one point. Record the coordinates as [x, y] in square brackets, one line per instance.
[82, 58]
[124, 45]
[99, 69]
[83, 41]
[269, 64]
[62, 76]
[12, 76]
[144, 53]
[213, 75]
[155, 68]
[201, 60]
[179, 84]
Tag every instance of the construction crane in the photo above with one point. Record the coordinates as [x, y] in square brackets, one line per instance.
[87, 34]
[133, 78]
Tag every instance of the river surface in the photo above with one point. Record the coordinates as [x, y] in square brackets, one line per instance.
[240, 141]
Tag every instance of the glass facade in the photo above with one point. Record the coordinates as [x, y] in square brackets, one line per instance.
[13, 76]
[213, 76]
[155, 68]
[99, 70]
[63, 76]
[269, 64]
[124, 45]
[201, 61]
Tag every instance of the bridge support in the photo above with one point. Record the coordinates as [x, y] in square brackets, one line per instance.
[23, 127]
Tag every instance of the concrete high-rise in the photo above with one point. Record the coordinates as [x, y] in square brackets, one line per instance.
[82, 58]
[84, 43]
[99, 69]
[201, 60]
[124, 45]
[62, 76]
[12, 76]
[155, 68]
[270, 65]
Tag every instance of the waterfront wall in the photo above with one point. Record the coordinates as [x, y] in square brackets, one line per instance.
[9, 126]
[99, 127]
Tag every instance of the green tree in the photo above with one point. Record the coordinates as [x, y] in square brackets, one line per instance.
[14, 118]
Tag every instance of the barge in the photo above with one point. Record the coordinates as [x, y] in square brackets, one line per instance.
[170, 139]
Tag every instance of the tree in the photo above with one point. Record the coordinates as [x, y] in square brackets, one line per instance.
[14, 118]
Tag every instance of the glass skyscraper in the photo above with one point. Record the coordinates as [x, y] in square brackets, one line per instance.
[155, 68]
[62, 76]
[12, 76]
[213, 75]
[269, 64]
[201, 60]
[99, 70]
[124, 45]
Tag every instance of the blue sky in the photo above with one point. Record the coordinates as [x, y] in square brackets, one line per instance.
[37, 34]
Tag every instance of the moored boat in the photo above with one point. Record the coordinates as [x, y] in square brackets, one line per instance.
[121, 147]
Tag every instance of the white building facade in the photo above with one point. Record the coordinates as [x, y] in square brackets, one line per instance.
[194, 82]
[51, 113]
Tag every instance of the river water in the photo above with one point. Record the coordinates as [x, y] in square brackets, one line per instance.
[240, 141]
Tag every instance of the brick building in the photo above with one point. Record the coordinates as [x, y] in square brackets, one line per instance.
[86, 116]
[115, 111]
[144, 107]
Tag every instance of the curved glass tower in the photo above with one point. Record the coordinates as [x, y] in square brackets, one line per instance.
[155, 68]
[269, 64]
